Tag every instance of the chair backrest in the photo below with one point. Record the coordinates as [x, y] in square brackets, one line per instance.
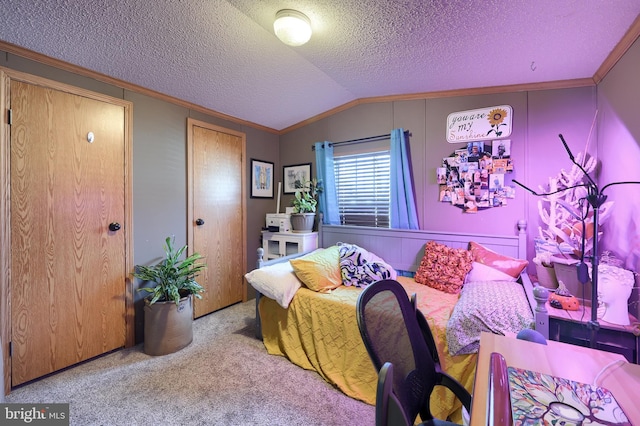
[426, 332]
[389, 410]
[391, 333]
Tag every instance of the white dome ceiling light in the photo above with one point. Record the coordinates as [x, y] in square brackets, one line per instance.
[292, 27]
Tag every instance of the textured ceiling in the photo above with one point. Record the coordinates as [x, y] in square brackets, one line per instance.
[223, 55]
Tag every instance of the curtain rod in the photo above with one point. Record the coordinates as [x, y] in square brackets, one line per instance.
[362, 140]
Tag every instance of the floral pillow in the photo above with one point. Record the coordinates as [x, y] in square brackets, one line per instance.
[360, 267]
[443, 268]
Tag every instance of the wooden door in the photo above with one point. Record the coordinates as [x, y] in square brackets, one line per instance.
[216, 198]
[68, 270]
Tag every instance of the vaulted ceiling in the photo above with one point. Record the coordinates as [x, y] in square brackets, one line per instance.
[223, 55]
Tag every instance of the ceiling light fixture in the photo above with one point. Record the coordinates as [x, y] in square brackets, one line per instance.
[292, 27]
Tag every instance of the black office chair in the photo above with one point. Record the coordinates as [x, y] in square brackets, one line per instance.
[390, 327]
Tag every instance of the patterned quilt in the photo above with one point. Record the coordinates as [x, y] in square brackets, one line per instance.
[319, 331]
[498, 307]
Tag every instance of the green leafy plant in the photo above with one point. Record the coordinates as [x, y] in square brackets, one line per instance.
[174, 278]
[306, 197]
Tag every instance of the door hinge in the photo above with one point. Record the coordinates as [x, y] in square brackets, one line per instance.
[10, 349]
[9, 117]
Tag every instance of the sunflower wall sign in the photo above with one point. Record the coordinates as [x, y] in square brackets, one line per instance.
[473, 177]
[479, 124]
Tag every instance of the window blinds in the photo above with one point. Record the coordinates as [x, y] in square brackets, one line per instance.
[363, 190]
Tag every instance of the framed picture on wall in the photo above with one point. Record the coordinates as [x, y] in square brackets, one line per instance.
[295, 176]
[261, 179]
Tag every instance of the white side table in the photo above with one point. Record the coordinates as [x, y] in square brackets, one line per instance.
[278, 244]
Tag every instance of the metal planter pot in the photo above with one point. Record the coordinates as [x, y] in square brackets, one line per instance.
[167, 327]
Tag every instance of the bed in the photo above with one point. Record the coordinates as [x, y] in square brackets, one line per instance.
[316, 328]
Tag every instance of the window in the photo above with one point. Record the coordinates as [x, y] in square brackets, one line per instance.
[363, 188]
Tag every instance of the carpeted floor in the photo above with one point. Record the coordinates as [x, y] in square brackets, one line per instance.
[225, 377]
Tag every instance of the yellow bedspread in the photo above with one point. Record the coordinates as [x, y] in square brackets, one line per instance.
[320, 332]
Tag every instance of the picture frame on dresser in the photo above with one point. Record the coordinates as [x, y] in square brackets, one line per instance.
[294, 176]
[261, 179]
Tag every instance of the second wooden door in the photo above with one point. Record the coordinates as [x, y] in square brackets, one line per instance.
[217, 212]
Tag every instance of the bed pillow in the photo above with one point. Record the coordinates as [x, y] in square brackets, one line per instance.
[482, 272]
[506, 264]
[443, 267]
[278, 282]
[319, 270]
[359, 267]
[499, 307]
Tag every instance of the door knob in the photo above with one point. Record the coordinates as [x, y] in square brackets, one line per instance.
[115, 226]
[199, 222]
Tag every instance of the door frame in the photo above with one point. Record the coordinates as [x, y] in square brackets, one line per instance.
[191, 123]
[6, 76]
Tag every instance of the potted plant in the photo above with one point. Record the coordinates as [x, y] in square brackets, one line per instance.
[545, 271]
[168, 309]
[304, 205]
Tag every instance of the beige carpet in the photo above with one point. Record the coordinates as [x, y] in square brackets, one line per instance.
[225, 377]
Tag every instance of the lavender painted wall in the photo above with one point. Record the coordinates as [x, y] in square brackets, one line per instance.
[619, 152]
[570, 112]
[536, 150]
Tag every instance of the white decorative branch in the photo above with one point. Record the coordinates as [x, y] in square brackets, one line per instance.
[561, 212]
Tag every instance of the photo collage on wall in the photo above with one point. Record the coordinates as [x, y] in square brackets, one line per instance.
[472, 178]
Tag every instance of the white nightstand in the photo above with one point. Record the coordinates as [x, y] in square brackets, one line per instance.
[278, 244]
